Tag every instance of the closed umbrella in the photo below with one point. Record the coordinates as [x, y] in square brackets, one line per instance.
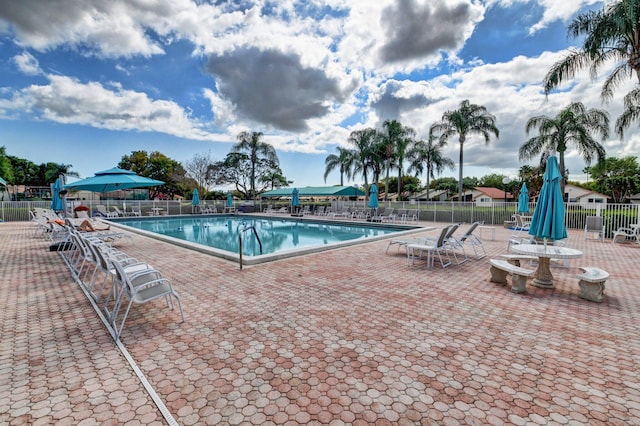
[229, 200]
[373, 196]
[56, 200]
[523, 199]
[195, 199]
[548, 217]
[113, 179]
[295, 200]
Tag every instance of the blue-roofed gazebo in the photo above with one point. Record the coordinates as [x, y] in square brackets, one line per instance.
[316, 191]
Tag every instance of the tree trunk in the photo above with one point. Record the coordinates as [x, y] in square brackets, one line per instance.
[386, 182]
[462, 138]
[563, 173]
[428, 173]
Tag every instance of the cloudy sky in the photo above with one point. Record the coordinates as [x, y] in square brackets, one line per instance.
[84, 82]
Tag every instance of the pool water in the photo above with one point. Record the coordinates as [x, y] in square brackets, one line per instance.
[276, 235]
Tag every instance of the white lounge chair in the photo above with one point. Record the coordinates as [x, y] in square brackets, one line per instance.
[104, 212]
[438, 247]
[139, 288]
[471, 239]
[625, 235]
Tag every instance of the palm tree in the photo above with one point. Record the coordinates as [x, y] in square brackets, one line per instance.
[395, 139]
[257, 150]
[364, 141]
[574, 124]
[428, 155]
[342, 161]
[468, 119]
[610, 34]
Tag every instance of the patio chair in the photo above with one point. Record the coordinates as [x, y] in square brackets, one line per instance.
[625, 235]
[594, 225]
[439, 247]
[471, 239]
[40, 221]
[386, 216]
[105, 256]
[453, 242]
[404, 242]
[102, 210]
[140, 288]
[117, 211]
[520, 226]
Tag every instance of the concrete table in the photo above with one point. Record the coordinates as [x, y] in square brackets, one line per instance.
[545, 252]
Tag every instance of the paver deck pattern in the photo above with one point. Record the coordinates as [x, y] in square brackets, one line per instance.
[348, 336]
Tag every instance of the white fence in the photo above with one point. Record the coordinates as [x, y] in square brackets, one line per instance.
[616, 215]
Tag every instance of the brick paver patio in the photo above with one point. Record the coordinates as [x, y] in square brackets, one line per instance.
[348, 336]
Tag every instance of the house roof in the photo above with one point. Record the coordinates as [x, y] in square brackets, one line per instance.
[494, 193]
[316, 191]
[434, 193]
[584, 192]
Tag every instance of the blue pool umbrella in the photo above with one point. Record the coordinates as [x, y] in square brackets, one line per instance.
[113, 179]
[229, 199]
[195, 199]
[523, 199]
[56, 200]
[373, 196]
[3, 182]
[295, 201]
[548, 217]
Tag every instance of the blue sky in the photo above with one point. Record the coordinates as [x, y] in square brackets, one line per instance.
[86, 85]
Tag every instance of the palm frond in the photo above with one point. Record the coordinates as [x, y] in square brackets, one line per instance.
[565, 69]
[631, 112]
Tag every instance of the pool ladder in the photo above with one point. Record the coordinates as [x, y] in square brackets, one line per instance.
[242, 231]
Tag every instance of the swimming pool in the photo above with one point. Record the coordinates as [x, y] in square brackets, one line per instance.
[277, 237]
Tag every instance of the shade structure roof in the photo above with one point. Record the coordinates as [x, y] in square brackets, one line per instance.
[113, 179]
[3, 182]
[316, 191]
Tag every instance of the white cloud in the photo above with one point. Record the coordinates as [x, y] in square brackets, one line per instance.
[27, 63]
[66, 100]
[555, 10]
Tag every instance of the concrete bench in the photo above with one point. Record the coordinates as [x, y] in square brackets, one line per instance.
[499, 270]
[592, 283]
[515, 259]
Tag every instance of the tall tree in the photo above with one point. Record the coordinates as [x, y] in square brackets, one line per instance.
[251, 144]
[197, 168]
[610, 35]
[343, 161]
[468, 119]
[573, 125]
[156, 165]
[396, 139]
[49, 172]
[429, 156]
[617, 177]
[247, 175]
[363, 141]
[6, 170]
